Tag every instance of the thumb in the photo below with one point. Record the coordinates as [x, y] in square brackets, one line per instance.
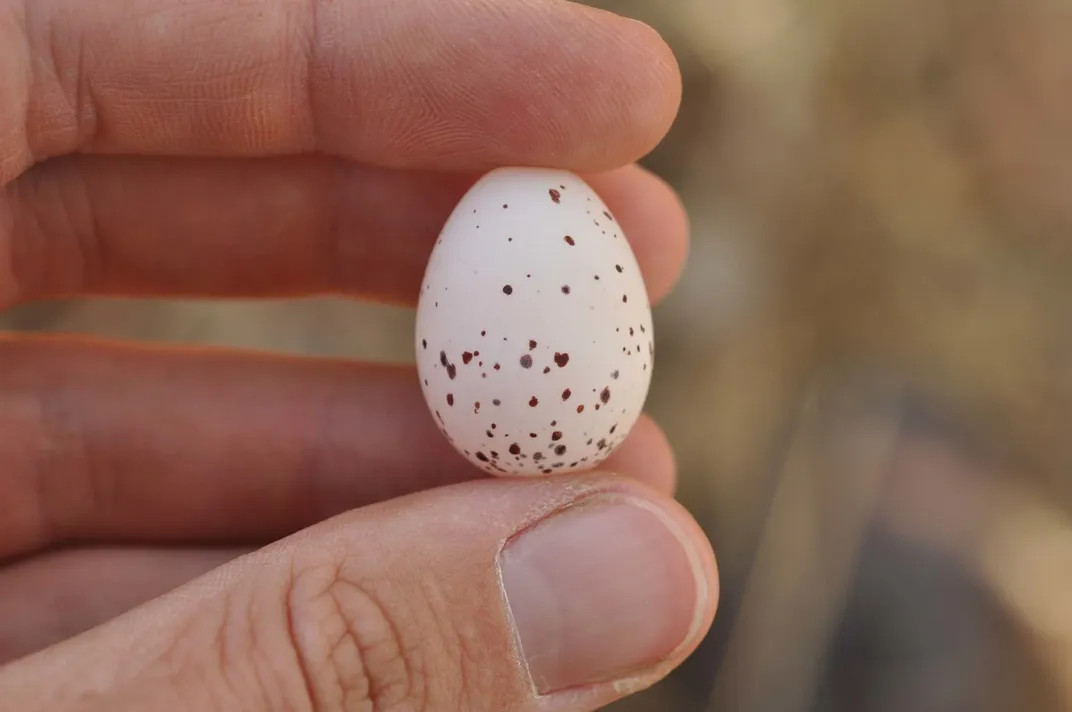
[557, 594]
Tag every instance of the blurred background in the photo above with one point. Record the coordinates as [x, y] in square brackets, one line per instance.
[866, 369]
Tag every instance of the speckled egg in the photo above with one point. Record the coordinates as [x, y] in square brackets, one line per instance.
[534, 332]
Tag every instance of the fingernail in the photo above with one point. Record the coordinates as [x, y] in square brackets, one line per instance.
[601, 591]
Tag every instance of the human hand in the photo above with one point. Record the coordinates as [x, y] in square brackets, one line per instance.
[269, 149]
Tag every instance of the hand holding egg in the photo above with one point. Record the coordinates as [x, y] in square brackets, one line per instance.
[295, 533]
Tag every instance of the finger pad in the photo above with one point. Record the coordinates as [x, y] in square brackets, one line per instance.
[646, 456]
[653, 219]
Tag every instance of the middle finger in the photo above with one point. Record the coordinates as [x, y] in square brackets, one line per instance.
[269, 227]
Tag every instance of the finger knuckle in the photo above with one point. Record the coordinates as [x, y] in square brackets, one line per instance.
[53, 241]
[54, 111]
[356, 650]
[14, 91]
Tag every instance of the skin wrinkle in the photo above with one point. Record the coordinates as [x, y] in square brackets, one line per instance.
[15, 150]
[376, 673]
[312, 60]
[9, 288]
[67, 228]
[458, 644]
[45, 449]
[57, 118]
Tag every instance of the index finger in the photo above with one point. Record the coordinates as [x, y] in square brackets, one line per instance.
[453, 84]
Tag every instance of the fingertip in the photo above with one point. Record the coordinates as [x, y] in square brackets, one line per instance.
[652, 88]
[646, 456]
[654, 220]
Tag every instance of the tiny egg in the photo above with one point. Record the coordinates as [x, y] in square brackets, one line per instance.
[520, 291]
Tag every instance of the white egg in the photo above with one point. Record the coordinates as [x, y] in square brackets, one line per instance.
[534, 332]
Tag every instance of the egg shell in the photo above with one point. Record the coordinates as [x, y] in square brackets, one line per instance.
[534, 331]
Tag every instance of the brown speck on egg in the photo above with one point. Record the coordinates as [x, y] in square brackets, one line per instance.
[580, 408]
[526, 361]
[476, 407]
[489, 433]
[630, 331]
[505, 206]
[496, 367]
[452, 371]
[614, 374]
[515, 449]
[424, 343]
[532, 435]
[566, 394]
[554, 423]
[496, 402]
[439, 416]
[557, 435]
[537, 456]
[483, 333]
[443, 358]
[450, 399]
[533, 402]
[569, 240]
[546, 369]
[555, 196]
[561, 360]
[601, 444]
[625, 297]
[482, 457]
[532, 344]
[619, 268]
[507, 289]
[613, 428]
[560, 450]
[604, 395]
[609, 216]
[565, 289]
[467, 357]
